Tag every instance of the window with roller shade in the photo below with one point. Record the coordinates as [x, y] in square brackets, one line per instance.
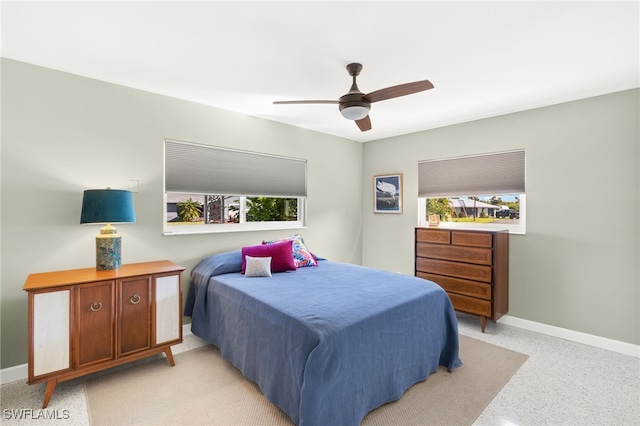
[485, 190]
[216, 189]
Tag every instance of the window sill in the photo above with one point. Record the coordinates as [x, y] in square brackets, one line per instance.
[230, 227]
[513, 229]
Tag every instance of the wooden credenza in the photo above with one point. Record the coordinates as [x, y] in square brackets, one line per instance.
[472, 266]
[84, 320]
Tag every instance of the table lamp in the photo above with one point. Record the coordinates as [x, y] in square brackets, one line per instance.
[108, 206]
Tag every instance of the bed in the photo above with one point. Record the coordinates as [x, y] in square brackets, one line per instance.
[329, 343]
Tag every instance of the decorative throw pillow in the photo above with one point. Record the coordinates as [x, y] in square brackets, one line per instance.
[257, 267]
[281, 255]
[301, 254]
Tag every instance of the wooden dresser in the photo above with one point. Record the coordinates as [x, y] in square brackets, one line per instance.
[471, 265]
[84, 320]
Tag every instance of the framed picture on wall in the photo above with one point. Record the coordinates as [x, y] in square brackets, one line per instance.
[387, 193]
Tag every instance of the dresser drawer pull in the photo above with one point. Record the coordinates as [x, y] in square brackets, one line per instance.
[95, 306]
[135, 299]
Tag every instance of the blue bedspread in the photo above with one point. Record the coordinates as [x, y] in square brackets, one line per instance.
[326, 344]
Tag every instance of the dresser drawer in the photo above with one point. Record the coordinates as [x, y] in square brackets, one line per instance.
[481, 256]
[471, 265]
[433, 236]
[470, 305]
[473, 239]
[454, 269]
[460, 286]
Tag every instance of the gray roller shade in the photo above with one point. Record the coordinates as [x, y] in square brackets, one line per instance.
[485, 174]
[204, 169]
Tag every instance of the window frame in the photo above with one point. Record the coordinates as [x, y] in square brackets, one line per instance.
[519, 228]
[187, 166]
[243, 226]
[484, 174]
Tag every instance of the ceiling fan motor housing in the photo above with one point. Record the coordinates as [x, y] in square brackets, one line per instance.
[353, 106]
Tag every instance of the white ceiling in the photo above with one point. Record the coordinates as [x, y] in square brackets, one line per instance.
[484, 58]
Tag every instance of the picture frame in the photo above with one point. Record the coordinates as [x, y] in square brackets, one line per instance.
[387, 193]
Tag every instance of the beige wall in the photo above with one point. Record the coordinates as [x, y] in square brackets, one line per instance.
[62, 134]
[577, 266]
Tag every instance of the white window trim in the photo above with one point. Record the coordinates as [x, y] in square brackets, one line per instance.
[218, 228]
[520, 228]
[286, 177]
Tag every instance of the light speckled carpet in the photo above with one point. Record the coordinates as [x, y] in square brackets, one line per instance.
[205, 389]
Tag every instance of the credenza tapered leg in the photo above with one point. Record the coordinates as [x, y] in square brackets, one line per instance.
[483, 323]
[51, 385]
[170, 356]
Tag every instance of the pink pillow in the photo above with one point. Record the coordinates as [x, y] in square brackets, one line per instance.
[281, 255]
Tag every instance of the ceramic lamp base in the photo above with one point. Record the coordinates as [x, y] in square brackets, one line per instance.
[108, 249]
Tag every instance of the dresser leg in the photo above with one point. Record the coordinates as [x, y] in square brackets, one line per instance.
[169, 356]
[51, 385]
[483, 323]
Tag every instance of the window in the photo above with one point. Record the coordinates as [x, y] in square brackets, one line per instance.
[486, 190]
[213, 189]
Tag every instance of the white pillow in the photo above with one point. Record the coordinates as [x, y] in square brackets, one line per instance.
[257, 267]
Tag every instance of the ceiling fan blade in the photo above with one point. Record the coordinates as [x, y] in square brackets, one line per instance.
[306, 102]
[399, 90]
[364, 124]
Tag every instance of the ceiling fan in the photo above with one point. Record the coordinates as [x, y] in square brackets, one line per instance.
[355, 105]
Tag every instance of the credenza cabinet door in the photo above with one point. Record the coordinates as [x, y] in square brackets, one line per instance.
[95, 322]
[135, 315]
[168, 305]
[51, 331]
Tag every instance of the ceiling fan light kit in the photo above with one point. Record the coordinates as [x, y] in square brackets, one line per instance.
[354, 110]
[355, 105]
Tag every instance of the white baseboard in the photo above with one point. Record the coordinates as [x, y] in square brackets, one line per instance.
[19, 372]
[186, 329]
[574, 336]
[11, 374]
